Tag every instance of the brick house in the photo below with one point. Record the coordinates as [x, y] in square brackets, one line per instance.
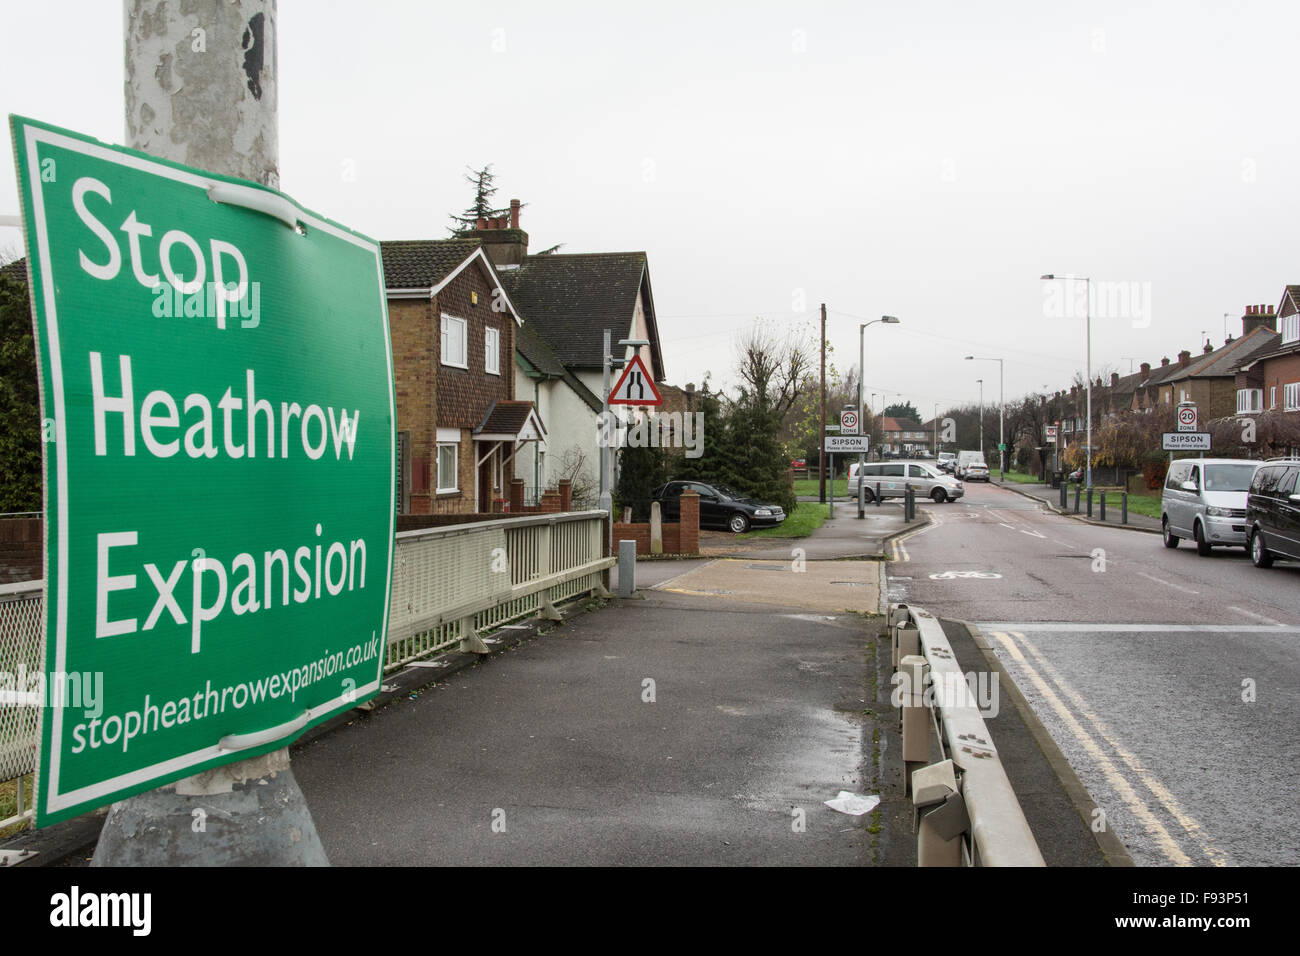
[1209, 380]
[1271, 380]
[453, 331]
[565, 303]
[904, 437]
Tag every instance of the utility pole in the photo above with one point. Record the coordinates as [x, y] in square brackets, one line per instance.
[981, 381]
[201, 89]
[821, 429]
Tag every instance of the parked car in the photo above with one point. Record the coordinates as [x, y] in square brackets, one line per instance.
[894, 477]
[1273, 513]
[1075, 477]
[1205, 499]
[976, 471]
[965, 458]
[720, 507]
[947, 460]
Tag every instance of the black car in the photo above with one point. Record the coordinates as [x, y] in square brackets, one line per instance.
[720, 507]
[1273, 513]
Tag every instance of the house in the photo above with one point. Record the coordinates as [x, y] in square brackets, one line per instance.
[1209, 380]
[567, 302]
[904, 437]
[459, 427]
[1270, 381]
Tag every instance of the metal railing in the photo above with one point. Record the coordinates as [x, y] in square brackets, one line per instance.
[977, 805]
[449, 584]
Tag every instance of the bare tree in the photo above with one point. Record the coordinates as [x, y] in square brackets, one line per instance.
[772, 366]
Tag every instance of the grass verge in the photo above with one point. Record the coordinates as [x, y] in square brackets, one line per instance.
[807, 518]
[808, 486]
[9, 804]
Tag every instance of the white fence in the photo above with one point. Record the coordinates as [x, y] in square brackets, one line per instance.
[449, 583]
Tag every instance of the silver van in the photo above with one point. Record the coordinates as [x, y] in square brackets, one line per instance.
[1205, 500]
[893, 477]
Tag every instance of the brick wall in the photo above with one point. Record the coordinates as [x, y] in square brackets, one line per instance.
[679, 537]
[21, 550]
[411, 327]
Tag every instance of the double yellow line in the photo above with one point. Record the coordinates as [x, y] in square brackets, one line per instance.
[1135, 803]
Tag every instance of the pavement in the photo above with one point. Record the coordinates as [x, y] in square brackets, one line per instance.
[1052, 498]
[705, 721]
[844, 537]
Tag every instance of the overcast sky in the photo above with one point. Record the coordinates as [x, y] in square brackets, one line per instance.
[925, 160]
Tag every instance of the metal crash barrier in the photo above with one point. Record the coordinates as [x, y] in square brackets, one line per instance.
[965, 812]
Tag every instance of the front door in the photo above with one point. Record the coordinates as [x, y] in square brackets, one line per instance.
[485, 484]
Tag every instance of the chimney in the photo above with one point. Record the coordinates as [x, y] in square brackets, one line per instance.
[1074, 389]
[1207, 348]
[1184, 358]
[1164, 361]
[1114, 379]
[1146, 370]
[503, 241]
[1258, 317]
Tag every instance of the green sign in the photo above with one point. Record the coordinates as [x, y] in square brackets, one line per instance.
[217, 388]
[1002, 446]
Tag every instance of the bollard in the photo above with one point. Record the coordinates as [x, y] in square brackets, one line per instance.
[1090, 501]
[1077, 489]
[626, 569]
[862, 496]
[907, 503]
[877, 494]
[1103, 506]
[1065, 491]
[1123, 507]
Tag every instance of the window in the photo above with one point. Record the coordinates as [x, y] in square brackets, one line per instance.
[1272, 396]
[1291, 397]
[492, 348]
[1291, 328]
[892, 471]
[454, 349]
[1250, 400]
[448, 460]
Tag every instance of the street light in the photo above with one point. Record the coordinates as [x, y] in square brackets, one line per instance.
[1087, 311]
[1002, 468]
[981, 381]
[862, 371]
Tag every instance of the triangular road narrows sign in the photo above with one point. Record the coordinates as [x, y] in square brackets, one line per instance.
[635, 386]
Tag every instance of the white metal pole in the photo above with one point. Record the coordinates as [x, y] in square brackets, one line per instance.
[1088, 314]
[1002, 449]
[606, 478]
[981, 381]
[862, 372]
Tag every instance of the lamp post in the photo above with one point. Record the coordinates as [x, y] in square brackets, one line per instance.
[1087, 311]
[1002, 468]
[862, 370]
[981, 381]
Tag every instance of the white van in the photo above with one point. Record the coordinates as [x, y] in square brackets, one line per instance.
[965, 458]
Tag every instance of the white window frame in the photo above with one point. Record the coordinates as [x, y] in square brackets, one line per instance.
[1272, 396]
[492, 350]
[1250, 400]
[1291, 328]
[1291, 397]
[449, 324]
[447, 438]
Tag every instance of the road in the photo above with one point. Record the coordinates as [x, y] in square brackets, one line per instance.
[1170, 682]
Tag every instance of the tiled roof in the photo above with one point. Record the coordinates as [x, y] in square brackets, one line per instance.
[505, 418]
[572, 299]
[1222, 362]
[890, 424]
[538, 351]
[423, 263]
